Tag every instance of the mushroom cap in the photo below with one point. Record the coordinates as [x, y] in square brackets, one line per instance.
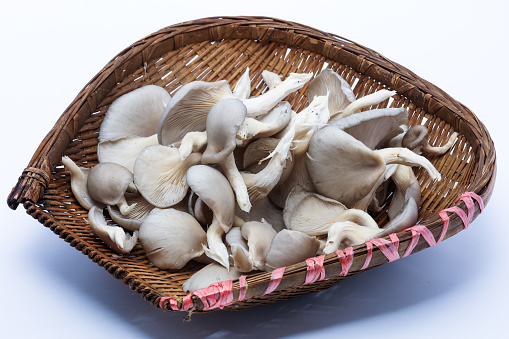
[328, 81]
[374, 126]
[290, 247]
[215, 191]
[223, 122]
[310, 213]
[107, 182]
[160, 175]
[414, 137]
[134, 113]
[124, 151]
[171, 238]
[259, 236]
[341, 167]
[113, 236]
[188, 109]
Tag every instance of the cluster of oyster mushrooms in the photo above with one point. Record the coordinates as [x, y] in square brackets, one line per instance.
[245, 183]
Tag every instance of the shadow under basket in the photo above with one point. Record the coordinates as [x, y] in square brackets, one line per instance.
[214, 49]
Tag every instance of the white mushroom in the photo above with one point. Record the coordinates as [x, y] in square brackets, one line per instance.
[160, 175]
[124, 151]
[259, 236]
[242, 89]
[314, 214]
[79, 178]
[171, 238]
[113, 236]
[107, 182]
[263, 103]
[222, 125]
[271, 79]
[188, 109]
[346, 234]
[136, 113]
[364, 102]
[290, 247]
[192, 142]
[132, 220]
[264, 209]
[239, 250]
[215, 191]
[266, 125]
[344, 169]
[339, 92]
[415, 140]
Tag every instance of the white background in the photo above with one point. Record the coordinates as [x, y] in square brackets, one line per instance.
[51, 49]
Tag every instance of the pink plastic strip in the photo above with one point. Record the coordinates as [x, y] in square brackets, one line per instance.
[445, 218]
[217, 295]
[275, 279]
[242, 287]
[315, 270]
[369, 246]
[388, 248]
[417, 231]
[345, 260]
[472, 195]
[187, 302]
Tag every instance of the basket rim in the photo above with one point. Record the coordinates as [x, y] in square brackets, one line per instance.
[35, 178]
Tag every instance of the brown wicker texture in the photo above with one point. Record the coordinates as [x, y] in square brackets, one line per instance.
[221, 48]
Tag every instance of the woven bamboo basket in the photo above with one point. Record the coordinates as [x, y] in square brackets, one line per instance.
[212, 49]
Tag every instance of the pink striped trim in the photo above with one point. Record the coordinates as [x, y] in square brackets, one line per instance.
[417, 231]
[445, 218]
[242, 287]
[388, 248]
[275, 279]
[217, 295]
[315, 269]
[187, 302]
[345, 260]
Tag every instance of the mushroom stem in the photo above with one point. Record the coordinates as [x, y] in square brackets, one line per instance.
[124, 207]
[439, 150]
[347, 233]
[215, 248]
[365, 101]
[192, 142]
[236, 181]
[403, 156]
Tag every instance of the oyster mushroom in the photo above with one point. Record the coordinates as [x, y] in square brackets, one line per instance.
[364, 102]
[107, 182]
[415, 140]
[135, 113]
[344, 169]
[132, 220]
[265, 126]
[271, 79]
[259, 236]
[171, 238]
[242, 89]
[260, 184]
[346, 234]
[79, 178]
[314, 214]
[290, 247]
[188, 109]
[329, 82]
[113, 236]
[124, 151]
[223, 123]
[215, 191]
[263, 103]
[239, 250]
[160, 175]
[192, 142]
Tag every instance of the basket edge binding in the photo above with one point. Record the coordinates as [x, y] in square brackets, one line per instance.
[34, 179]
